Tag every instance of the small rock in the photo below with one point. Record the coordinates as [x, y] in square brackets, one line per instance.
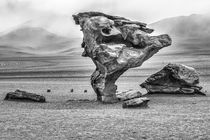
[109, 99]
[143, 91]
[85, 91]
[129, 94]
[72, 90]
[137, 102]
[24, 96]
[48, 90]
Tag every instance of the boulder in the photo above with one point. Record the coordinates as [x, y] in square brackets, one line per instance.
[24, 96]
[115, 44]
[174, 78]
[129, 94]
[136, 102]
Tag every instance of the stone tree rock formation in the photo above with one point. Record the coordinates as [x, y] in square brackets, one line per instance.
[115, 44]
[174, 78]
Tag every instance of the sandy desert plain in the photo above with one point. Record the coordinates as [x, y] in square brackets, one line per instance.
[67, 116]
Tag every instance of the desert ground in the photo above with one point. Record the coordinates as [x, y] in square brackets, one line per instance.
[77, 115]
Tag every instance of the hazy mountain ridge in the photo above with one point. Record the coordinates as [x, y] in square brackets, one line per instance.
[36, 41]
[193, 26]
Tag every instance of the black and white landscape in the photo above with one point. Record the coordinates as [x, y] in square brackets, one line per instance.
[40, 49]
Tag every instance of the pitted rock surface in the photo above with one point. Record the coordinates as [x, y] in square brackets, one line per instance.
[174, 78]
[115, 44]
[20, 95]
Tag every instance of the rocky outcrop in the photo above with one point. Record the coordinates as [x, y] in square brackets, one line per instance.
[19, 95]
[115, 44]
[174, 78]
[136, 102]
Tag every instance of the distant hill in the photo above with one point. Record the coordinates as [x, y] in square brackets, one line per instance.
[34, 41]
[193, 26]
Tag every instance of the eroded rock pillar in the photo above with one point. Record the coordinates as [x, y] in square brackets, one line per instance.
[115, 44]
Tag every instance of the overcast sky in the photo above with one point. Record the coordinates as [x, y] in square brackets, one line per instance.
[13, 12]
[149, 10]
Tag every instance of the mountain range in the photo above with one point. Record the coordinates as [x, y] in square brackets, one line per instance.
[37, 41]
[37, 38]
[193, 26]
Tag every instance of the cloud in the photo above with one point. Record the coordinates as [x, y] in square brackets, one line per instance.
[15, 12]
[14, 5]
[150, 9]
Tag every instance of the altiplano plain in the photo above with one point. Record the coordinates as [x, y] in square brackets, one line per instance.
[76, 115]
